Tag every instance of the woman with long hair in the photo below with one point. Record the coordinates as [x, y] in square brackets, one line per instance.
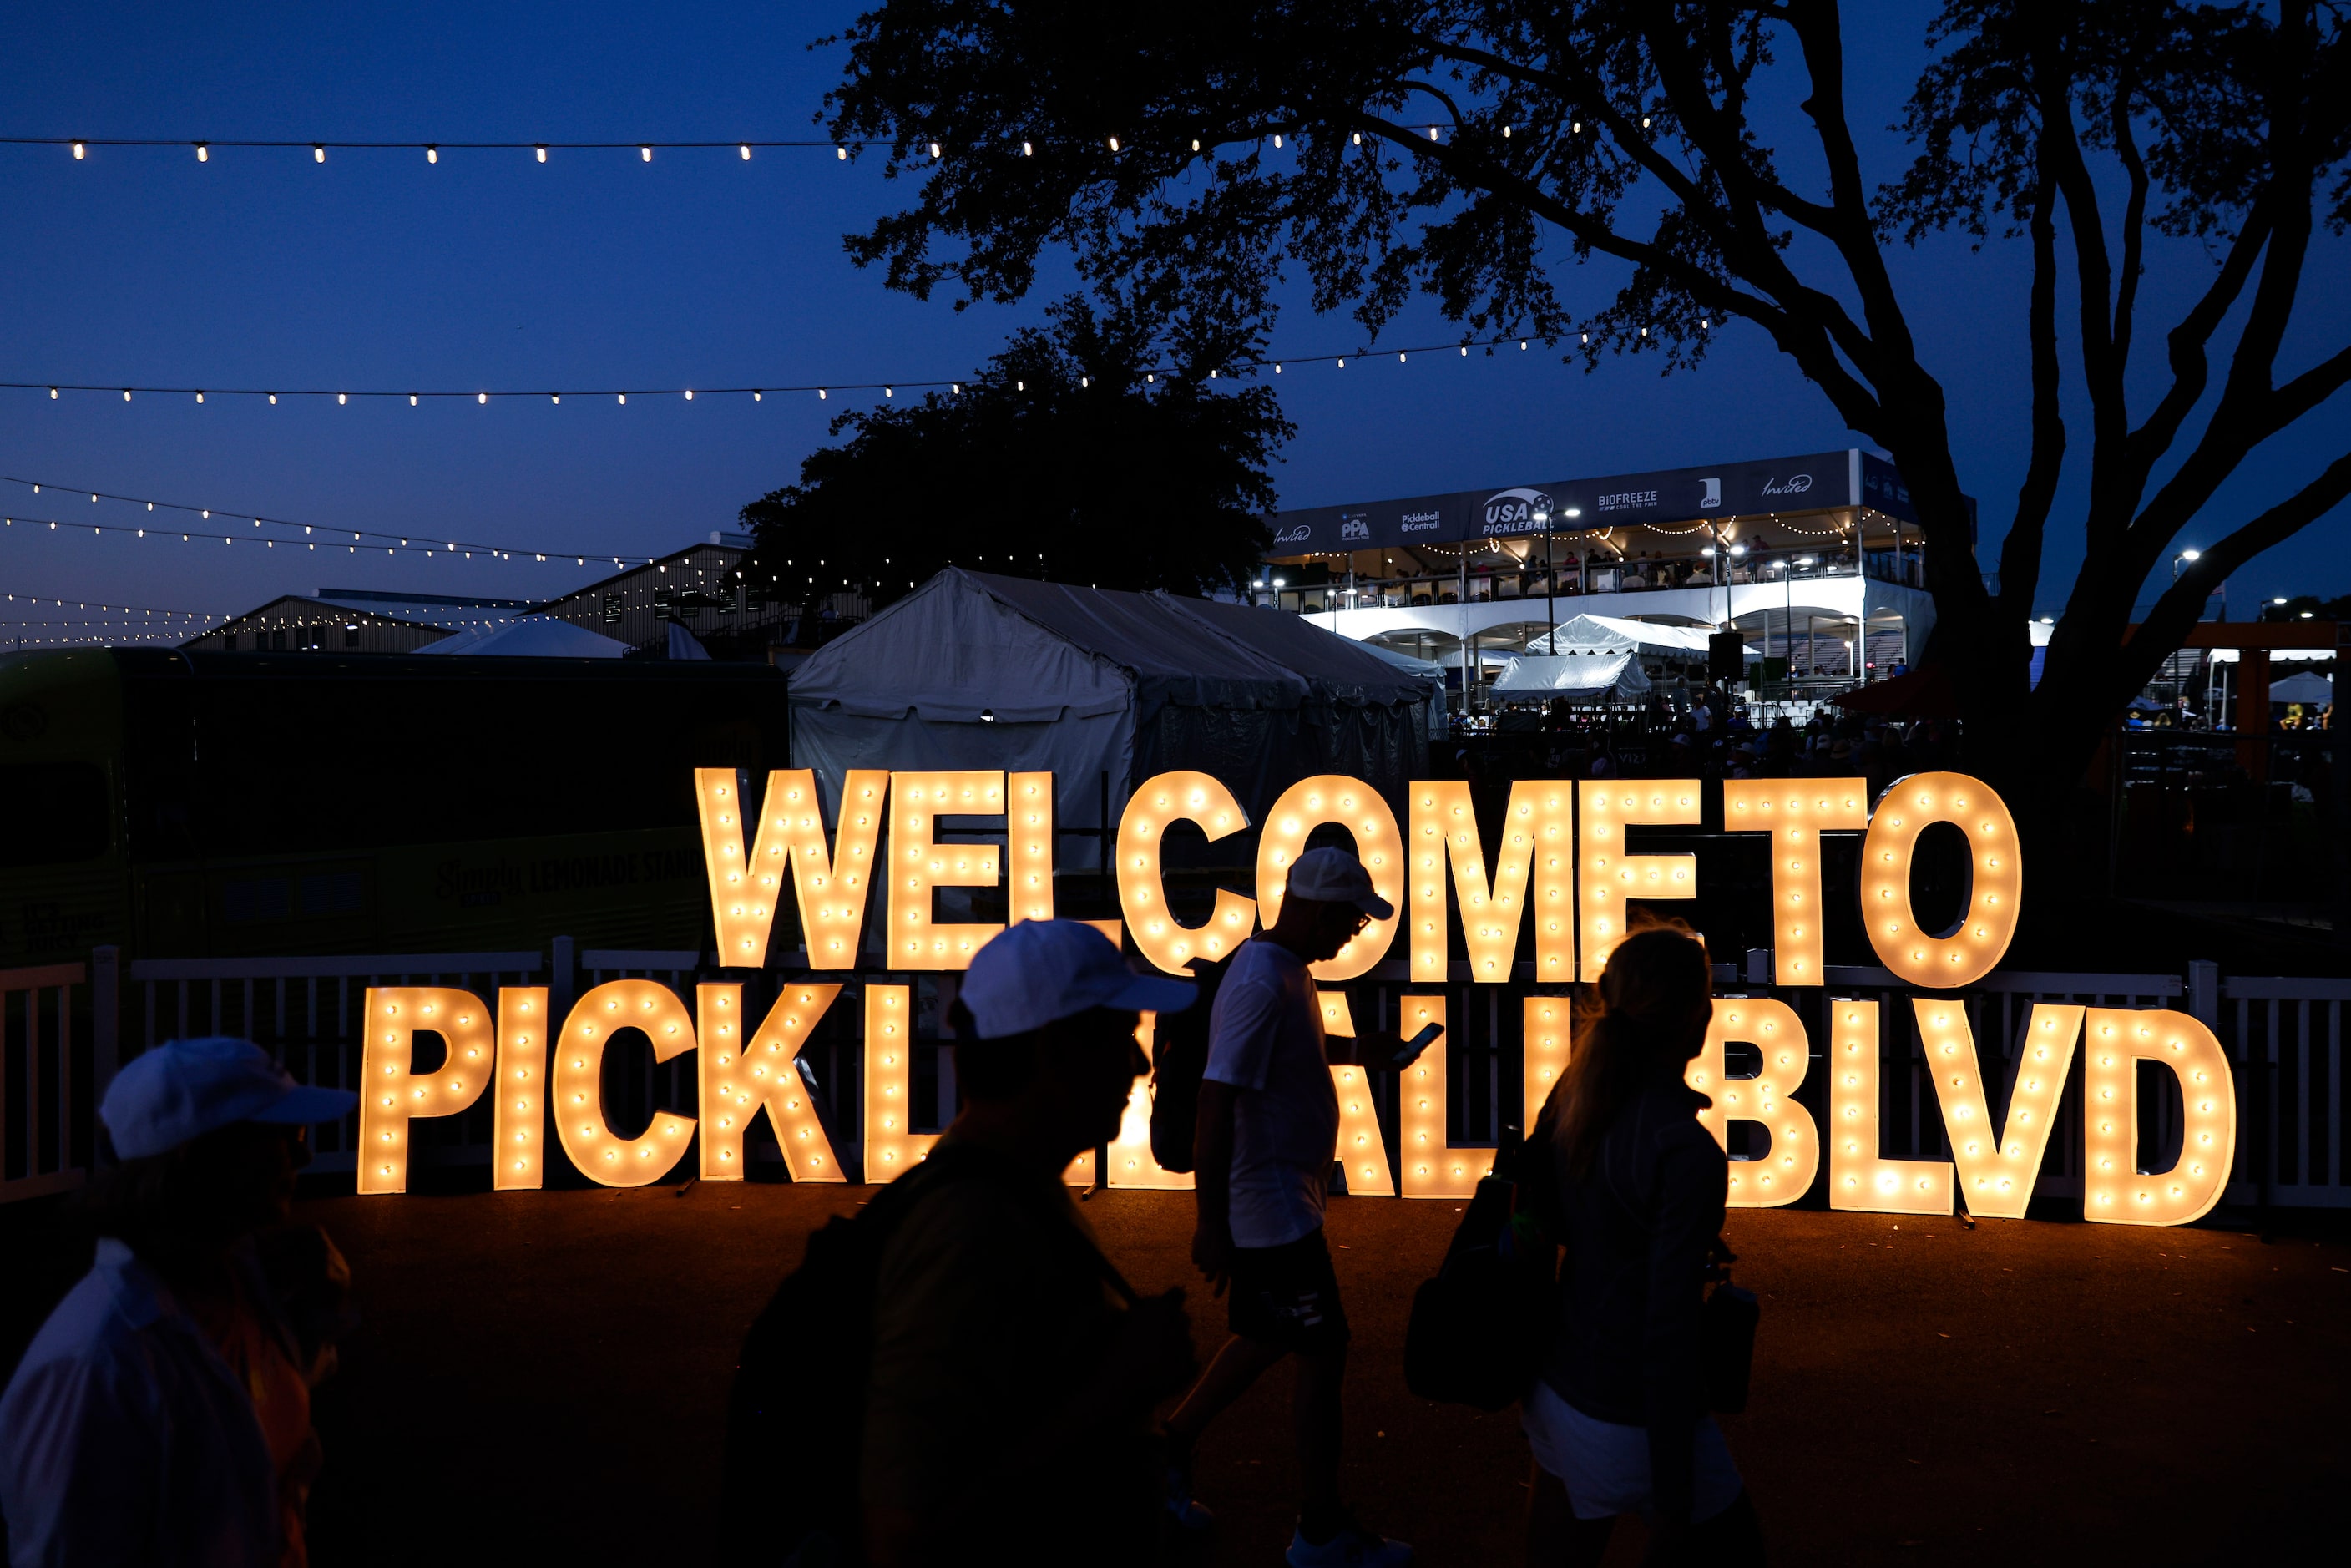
[1618, 1418]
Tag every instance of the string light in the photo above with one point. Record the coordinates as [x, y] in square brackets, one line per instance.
[391, 1092]
[358, 536]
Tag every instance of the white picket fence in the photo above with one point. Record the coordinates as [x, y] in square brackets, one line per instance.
[65, 1027]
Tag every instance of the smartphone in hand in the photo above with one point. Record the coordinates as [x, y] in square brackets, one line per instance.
[1411, 1049]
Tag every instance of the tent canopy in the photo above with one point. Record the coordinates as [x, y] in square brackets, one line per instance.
[1614, 635]
[1578, 677]
[2306, 688]
[977, 671]
[531, 637]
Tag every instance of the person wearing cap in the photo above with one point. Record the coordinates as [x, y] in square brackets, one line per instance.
[1014, 1374]
[1268, 1132]
[161, 1416]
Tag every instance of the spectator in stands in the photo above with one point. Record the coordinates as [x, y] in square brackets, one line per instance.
[162, 1414]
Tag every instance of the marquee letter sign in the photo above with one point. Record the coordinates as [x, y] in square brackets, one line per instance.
[1562, 854]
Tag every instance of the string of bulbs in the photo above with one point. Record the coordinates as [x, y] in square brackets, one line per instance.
[38, 599]
[889, 389]
[314, 533]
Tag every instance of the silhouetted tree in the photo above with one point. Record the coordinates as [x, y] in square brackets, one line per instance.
[1451, 146]
[1090, 452]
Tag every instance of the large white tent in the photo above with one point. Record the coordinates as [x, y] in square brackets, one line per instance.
[1104, 689]
[1614, 635]
[1579, 677]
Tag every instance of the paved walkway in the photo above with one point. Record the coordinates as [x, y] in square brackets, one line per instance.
[541, 1374]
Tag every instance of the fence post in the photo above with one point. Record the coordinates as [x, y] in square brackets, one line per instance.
[2204, 992]
[560, 976]
[105, 1017]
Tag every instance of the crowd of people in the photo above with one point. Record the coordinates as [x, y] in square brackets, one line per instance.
[1009, 1392]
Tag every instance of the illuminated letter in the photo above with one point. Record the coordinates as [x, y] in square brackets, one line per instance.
[394, 1093]
[738, 1081]
[518, 1109]
[1360, 1150]
[891, 1145]
[1028, 840]
[918, 864]
[1357, 807]
[1967, 953]
[1997, 1167]
[1858, 1178]
[1795, 812]
[1546, 1034]
[743, 898]
[1445, 828]
[1142, 892]
[1132, 1164]
[1432, 1167]
[580, 1122]
[1612, 877]
[2113, 1189]
[1784, 1173]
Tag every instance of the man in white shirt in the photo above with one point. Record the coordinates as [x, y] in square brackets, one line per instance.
[1267, 1130]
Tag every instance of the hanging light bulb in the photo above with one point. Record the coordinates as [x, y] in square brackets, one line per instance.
[481, 397]
[820, 394]
[1027, 151]
[934, 149]
[77, 152]
[412, 400]
[841, 154]
[645, 154]
[199, 397]
[318, 153]
[623, 397]
[204, 153]
[689, 394]
[1196, 144]
[745, 149]
[340, 399]
[432, 153]
[1113, 143]
[541, 150]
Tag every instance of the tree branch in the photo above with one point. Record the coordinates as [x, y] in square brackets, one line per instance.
[2019, 552]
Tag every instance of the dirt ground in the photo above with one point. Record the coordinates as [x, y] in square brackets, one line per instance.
[541, 1376]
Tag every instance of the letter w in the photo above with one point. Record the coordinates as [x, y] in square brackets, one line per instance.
[831, 885]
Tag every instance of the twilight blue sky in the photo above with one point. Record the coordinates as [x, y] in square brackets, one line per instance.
[260, 268]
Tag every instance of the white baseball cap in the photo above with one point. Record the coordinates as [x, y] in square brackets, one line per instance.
[187, 1087]
[1041, 971]
[1335, 876]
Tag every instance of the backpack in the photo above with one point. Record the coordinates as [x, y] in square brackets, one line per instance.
[1479, 1330]
[1179, 1051]
[796, 1409]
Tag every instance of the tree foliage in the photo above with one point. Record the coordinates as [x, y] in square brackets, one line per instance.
[1092, 451]
[1469, 150]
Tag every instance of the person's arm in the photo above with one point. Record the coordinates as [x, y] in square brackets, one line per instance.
[1212, 1183]
[1687, 1217]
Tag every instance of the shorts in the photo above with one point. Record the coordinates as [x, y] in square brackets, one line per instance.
[1605, 1464]
[1288, 1296]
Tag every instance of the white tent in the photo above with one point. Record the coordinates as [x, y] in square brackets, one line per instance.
[1614, 635]
[2309, 688]
[532, 637]
[1103, 689]
[1579, 677]
[1420, 669]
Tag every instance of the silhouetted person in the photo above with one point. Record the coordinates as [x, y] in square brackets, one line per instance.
[1618, 1419]
[162, 1417]
[1269, 1127]
[1008, 1417]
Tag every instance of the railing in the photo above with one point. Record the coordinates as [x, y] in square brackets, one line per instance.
[2284, 1038]
[49, 1064]
[305, 1012]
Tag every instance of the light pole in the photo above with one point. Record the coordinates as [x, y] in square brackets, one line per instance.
[1550, 579]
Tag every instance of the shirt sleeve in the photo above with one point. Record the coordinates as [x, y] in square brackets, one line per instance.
[1241, 1031]
[82, 1468]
